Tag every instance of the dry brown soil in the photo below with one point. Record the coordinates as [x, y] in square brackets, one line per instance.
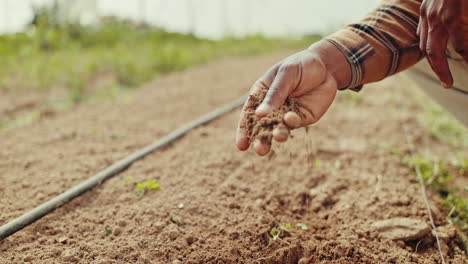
[262, 128]
[216, 204]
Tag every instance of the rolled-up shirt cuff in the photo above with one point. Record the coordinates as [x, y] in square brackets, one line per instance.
[356, 50]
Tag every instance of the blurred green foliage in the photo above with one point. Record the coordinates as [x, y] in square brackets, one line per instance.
[68, 55]
[438, 175]
[444, 127]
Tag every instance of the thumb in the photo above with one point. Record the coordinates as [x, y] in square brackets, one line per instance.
[279, 90]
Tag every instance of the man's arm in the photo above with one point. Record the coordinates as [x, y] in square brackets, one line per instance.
[383, 43]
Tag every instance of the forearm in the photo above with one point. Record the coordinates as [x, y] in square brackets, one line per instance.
[382, 44]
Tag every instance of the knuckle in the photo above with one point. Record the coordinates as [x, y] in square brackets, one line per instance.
[286, 67]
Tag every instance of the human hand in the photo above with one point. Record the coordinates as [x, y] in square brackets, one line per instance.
[441, 20]
[304, 76]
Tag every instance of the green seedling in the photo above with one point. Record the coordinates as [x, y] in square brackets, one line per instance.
[434, 173]
[436, 176]
[461, 164]
[458, 210]
[275, 233]
[286, 227]
[107, 231]
[302, 226]
[142, 187]
[317, 163]
[391, 148]
[152, 185]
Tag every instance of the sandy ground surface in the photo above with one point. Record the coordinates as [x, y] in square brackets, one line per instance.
[218, 205]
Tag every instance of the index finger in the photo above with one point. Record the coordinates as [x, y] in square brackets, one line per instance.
[242, 139]
[436, 45]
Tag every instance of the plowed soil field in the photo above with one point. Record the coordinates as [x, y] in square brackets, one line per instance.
[321, 192]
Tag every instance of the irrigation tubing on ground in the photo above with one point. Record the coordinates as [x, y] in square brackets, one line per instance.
[63, 198]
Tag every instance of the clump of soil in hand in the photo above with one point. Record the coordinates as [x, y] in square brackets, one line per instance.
[262, 128]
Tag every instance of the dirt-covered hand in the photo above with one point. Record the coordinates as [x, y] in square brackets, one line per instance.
[303, 76]
[441, 21]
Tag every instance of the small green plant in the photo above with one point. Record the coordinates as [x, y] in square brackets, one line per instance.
[277, 231]
[390, 148]
[286, 227]
[107, 231]
[436, 175]
[142, 187]
[302, 226]
[458, 210]
[461, 164]
[317, 163]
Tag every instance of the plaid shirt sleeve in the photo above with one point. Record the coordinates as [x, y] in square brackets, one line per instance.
[382, 44]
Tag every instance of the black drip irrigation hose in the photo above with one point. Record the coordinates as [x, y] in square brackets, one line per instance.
[63, 198]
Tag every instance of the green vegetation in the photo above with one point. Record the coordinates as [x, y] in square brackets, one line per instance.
[277, 231]
[107, 231]
[437, 121]
[437, 175]
[444, 127]
[317, 163]
[142, 187]
[71, 58]
[302, 226]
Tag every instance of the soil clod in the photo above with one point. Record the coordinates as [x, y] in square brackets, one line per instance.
[405, 229]
[262, 127]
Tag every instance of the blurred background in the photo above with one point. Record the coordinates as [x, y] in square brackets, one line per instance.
[56, 54]
[205, 18]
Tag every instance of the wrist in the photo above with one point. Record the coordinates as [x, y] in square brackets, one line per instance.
[334, 60]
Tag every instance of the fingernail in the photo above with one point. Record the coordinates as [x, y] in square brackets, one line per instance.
[262, 109]
[445, 85]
